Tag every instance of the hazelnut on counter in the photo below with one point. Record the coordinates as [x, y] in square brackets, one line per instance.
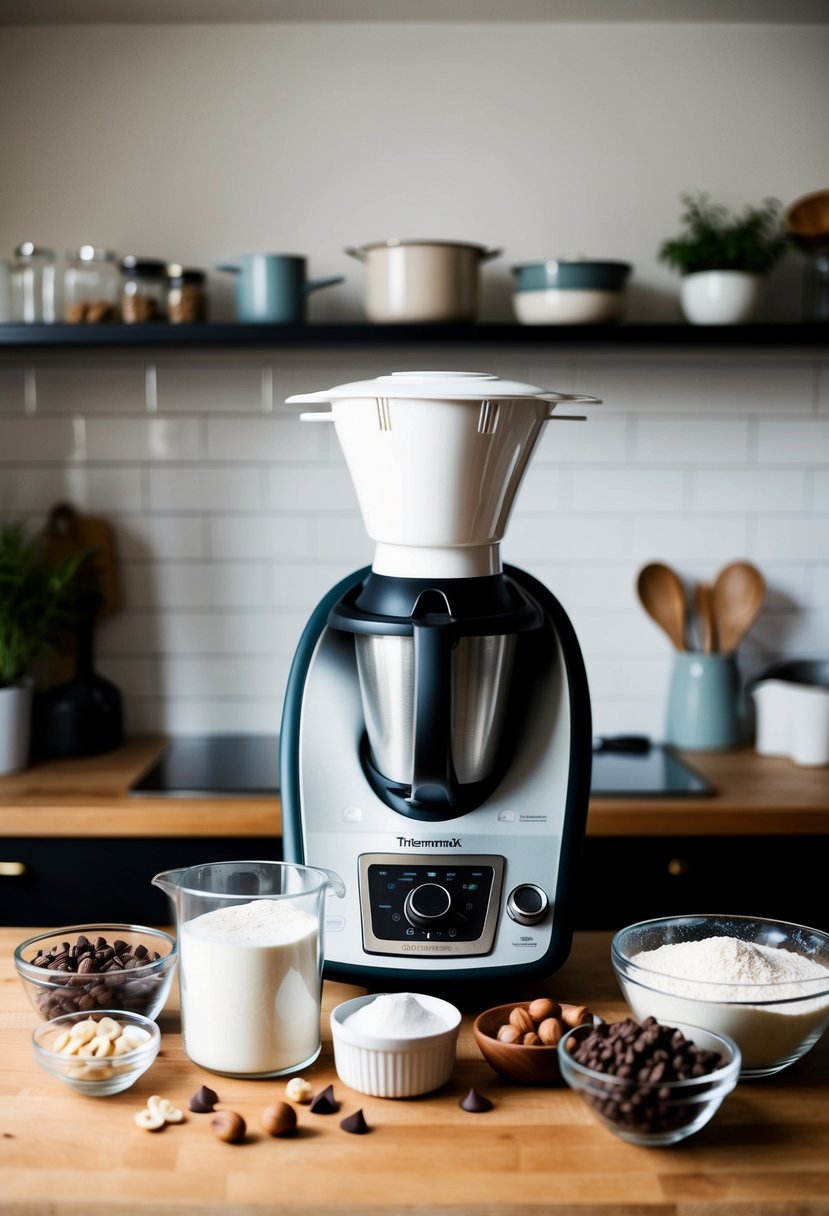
[229, 1126]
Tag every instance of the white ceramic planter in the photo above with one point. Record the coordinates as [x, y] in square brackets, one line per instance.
[720, 297]
[15, 726]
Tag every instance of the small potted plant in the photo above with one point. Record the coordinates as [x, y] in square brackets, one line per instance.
[722, 256]
[36, 603]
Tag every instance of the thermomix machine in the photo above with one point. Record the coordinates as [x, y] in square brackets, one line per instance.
[436, 739]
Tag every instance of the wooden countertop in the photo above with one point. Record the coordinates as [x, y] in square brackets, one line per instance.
[88, 797]
[765, 1153]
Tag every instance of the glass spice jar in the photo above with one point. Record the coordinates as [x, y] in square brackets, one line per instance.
[144, 290]
[33, 283]
[91, 286]
[186, 295]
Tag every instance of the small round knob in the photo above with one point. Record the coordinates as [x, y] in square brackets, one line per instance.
[527, 904]
[427, 906]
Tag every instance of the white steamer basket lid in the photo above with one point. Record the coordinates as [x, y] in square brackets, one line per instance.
[452, 386]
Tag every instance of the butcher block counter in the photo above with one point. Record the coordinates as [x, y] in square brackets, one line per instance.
[70, 832]
[538, 1151]
[89, 797]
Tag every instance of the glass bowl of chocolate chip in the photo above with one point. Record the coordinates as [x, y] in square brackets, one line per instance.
[649, 1083]
[84, 968]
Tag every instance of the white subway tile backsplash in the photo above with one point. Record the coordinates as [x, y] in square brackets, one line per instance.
[205, 488]
[224, 716]
[90, 386]
[691, 439]
[317, 488]
[819, 596]
[601, 438]
[232, 522]
[799, 538]
[793, 441]
[260, 536]
[820, 501]
[630, 490]
[748, 490]
[129, 440]
[273, 437]
[200, 385]
[152, 538]
[680, 538]
[712, 386]
[194, 585]
[39, 440]
[535, 538]
[12, 388]
[205, 676]
[89, 489]
[342, 537]
[238, 631]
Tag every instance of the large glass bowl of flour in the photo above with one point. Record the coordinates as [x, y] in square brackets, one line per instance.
[764, 983]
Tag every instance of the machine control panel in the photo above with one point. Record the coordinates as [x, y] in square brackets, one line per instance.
[429, 905]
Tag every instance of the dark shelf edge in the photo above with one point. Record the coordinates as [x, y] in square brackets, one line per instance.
[229, 335]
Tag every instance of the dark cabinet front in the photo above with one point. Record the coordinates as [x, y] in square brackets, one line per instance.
[50, 881]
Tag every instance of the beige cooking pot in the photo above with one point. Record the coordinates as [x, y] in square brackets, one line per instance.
[411, 282]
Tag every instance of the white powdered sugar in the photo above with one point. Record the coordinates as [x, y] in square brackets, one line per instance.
[396, 1015]
[768, 999]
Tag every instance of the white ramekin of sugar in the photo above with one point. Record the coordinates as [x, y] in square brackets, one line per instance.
[395, 1045]
[764, 983]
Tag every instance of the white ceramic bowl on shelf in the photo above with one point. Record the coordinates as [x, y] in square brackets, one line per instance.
[394, 1066]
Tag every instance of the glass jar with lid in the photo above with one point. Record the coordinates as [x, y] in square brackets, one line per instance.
[33, 283]
[186, 295]
[144, 290]
[91, 286]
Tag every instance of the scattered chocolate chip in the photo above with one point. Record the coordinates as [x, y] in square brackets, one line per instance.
[325, 1103]
[356, 1124]
[203, 1100]
[475, 1103]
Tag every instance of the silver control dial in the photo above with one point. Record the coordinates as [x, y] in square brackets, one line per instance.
[527, 904]
[427, 906]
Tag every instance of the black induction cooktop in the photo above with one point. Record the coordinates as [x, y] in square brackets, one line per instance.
[238, 766]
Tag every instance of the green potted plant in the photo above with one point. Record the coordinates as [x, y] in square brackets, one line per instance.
[722, 256]
[36, 603]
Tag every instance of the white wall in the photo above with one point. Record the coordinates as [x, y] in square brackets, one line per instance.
[196, 143]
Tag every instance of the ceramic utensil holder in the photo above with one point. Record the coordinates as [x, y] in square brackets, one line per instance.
[705, 703]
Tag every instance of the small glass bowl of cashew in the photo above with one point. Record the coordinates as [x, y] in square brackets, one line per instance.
[98, 1054]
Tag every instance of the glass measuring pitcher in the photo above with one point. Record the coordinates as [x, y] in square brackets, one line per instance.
[250, 943]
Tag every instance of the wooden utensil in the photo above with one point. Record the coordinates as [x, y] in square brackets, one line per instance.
[662, 595]
[705, 617]
[736, 599]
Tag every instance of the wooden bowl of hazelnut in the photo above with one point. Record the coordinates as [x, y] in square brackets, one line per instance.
[520, 1040]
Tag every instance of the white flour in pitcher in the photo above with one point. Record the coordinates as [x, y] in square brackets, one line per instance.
[250, 987]
[765, 1033]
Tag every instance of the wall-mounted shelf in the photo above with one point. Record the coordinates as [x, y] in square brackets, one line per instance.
[230, 335]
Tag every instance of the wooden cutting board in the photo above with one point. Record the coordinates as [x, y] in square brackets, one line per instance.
[69, 533]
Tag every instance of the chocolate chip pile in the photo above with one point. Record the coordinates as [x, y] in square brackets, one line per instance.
[647, 1057]
[92, 974]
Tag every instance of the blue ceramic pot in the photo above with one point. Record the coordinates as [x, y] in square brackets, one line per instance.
[576, 274]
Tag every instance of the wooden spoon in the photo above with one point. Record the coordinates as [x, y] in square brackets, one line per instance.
[662, 595]
[736, 599]
[705, 616]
